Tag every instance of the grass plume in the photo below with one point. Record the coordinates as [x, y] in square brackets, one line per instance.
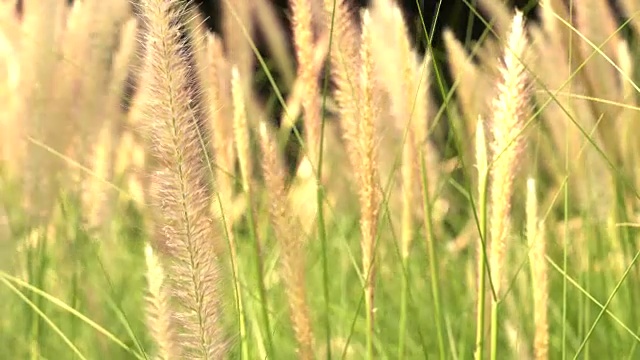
[324, 262]
[175, 118]
[291, 244]
[507, 142]
[367, 175]
[159, 313]
[307, 74]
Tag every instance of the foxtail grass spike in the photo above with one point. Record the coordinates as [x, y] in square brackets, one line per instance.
[175, 122]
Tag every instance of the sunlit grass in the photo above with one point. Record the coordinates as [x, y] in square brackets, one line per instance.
[73, 288]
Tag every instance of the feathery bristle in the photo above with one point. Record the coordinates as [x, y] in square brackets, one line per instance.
[175, 121]
[367, 173]
[292, 262]
[159, 314]
[507, 124]
[345, 64]
[305, 48]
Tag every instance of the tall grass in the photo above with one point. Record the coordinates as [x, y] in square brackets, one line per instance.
[149, 209]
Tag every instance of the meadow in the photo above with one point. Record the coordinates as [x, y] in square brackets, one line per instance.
[157, 203]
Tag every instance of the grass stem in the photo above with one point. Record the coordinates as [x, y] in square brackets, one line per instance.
[433, 262]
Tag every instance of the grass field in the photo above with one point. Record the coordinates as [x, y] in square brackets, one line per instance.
[150, 209]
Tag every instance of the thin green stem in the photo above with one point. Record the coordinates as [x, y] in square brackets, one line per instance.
[260, 277]
[605, 306]
[370, 355]
[481, 216]
[433, 262]
[38, 311]
[404, 299]
[494, 328]
[322, 234]
[482, 276]
[566, 215]
[244, 344]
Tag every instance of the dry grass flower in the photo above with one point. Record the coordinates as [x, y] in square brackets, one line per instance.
[175, 121]
[291, 244]
[508, 120]
[159, 314]
[308, 74]
[367, 172]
